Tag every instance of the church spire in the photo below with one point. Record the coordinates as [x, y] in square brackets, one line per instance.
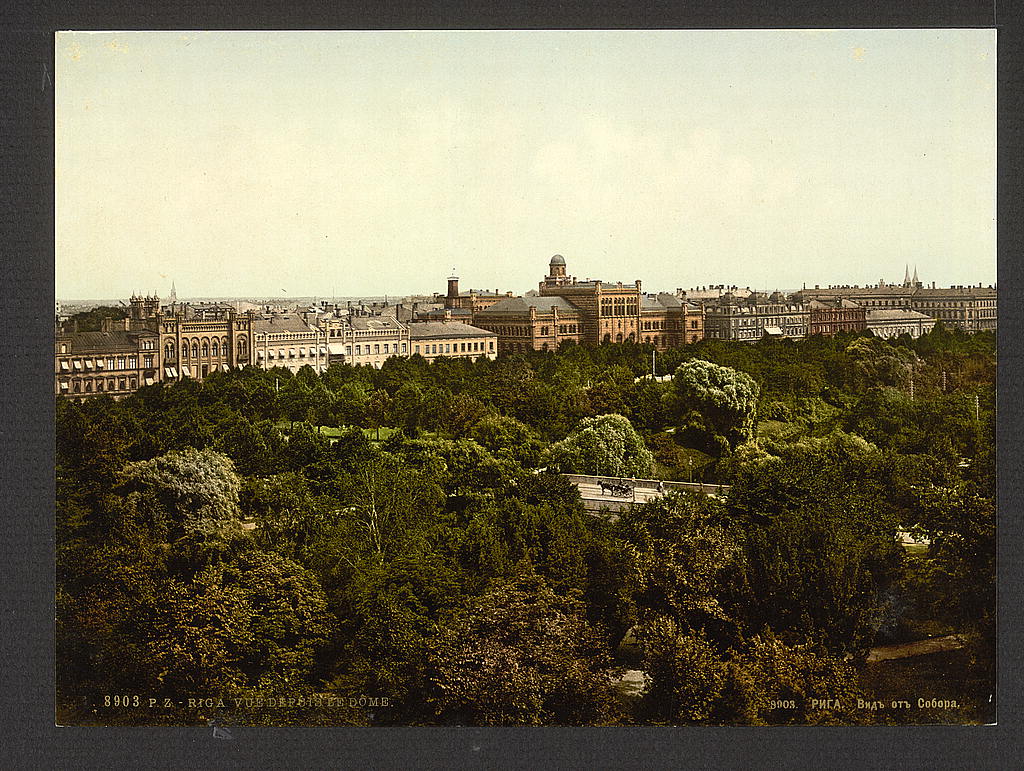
[906, 275]
[916, 282]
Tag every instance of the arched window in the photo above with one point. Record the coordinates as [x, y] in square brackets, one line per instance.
[206, 348]
[216, 349]
[195, 350]
[241, 346]
[169, 350]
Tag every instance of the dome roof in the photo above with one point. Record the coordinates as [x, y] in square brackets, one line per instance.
[557, 260]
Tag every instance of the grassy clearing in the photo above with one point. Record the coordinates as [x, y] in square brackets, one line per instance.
[334, 432]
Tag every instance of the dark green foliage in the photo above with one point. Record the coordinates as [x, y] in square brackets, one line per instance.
[522, 655]
[244, 535]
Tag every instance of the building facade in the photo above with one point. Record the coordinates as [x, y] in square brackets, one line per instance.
[115, 362]
[148, 347]
[196, 347]
[288, 340]
[523, 324]
[754, 317]
[970, 308]
[893, 322]
[831, 318]
[592, 312]
[453, 339]
[361, 339]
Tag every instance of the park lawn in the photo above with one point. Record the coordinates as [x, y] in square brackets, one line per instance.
[332, 433]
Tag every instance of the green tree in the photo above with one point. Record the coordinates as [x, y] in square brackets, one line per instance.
[725, 398]
[256, 620]
[819, 534]
[522, 655]
[820, 688]
[191, 493]
[603, 445]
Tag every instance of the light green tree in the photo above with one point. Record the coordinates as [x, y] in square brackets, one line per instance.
[725, 398]
[606, 445]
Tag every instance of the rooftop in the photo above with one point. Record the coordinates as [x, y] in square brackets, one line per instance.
[284, 322]
[427, 330]
[515, 305]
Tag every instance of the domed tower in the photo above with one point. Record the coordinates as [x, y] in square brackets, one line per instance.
[556, 271]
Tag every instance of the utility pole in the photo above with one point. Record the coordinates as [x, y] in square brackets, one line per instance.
[943, 381]
[654, 374]
[977, 408]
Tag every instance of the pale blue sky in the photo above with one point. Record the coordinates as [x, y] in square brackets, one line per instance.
[374, 162]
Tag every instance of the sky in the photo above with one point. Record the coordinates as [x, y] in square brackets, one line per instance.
[370, 163]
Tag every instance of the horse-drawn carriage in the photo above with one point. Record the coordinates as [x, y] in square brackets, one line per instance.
[621, 489]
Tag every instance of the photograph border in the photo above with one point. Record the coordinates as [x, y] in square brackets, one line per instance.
[27, 669]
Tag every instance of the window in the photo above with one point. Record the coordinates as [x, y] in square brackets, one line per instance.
[148, 361]
[195, 350]
[358, 350]
[120, 362]
[348, 350]
[404, 348]
[206, 349]
[99, 385]
[76, 386]
[169, 350]
[376, 348]
[216, 349]
[63, 347]
[133, 362]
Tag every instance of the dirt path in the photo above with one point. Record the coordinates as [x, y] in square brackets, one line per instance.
[917, 648]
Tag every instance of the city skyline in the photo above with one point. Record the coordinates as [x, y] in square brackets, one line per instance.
[308, 164]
